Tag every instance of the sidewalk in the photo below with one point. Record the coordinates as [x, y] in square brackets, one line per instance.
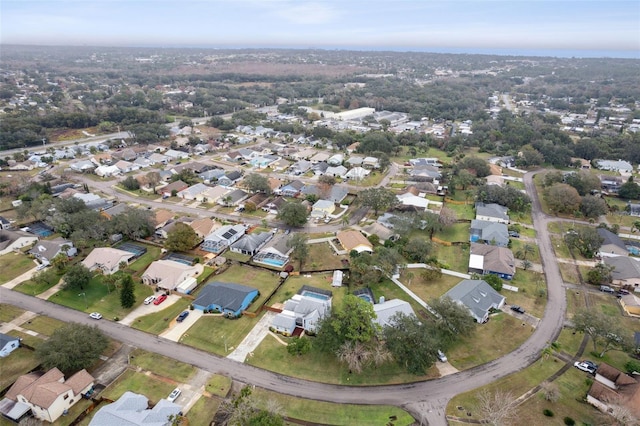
[21, 278]
[45, 295]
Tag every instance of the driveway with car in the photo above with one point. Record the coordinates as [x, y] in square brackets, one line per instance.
[143, 309]
[178, 328]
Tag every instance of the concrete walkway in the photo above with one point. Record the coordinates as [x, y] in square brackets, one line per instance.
[444, 271]
[45, 295]
[15, 323]
[21, 278]
[253, 339]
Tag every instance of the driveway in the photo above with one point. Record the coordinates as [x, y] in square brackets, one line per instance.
[253, 339]
[143, 309]
[21, 278]
[177, 329]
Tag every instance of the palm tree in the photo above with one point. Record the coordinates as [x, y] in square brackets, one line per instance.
[345, 219]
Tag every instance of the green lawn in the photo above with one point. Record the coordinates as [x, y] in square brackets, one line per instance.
[203, 411]
[33, 288]
[265, 281]
[141, 263]
[321, 367]
[19, 362]
[529, 296]
[569, 273]
[157, 322]
[321, 257]
[463, 211]
[43, 325]
[455, 258]
[320, 280]
[27, 339]
[335, 414]
[458, 232]
[211, 332]
[431, 289]
[9, 312]
[390, 290]
[219, 385]
[483, 346]
[162, 366]
[99, 298]
[13, 265]
[148, 386]
[518, 245]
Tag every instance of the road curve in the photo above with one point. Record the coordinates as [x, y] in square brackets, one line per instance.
[432, 394]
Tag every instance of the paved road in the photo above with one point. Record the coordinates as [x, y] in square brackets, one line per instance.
[425, 400]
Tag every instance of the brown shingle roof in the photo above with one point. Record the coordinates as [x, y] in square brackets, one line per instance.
[615, 375]
[79, 381]
[40, 390]
[162, 216]
[352, 239]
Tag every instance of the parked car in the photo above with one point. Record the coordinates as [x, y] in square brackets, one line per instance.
[41, 266]
[160, 299]
[95, 315]
[623, 292]
[149, 299]
[182, 316]
[586, 366]
[441, 356]
[517, 309]
[607, 289]
[514, 234]
[174, 395]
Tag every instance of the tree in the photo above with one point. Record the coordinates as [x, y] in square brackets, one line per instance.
[592, 206]
[299, 346]
[72, 347]
[413, 343]
[355, 354]
[562, 198]
[242, 410]
[153, 179]
[133, 223]
[494, 281]
[526, 250]
[257, 183]
[583, 181]
[496, 407]
[181, 238]
[293, 214]
[629, 190]
[600, 274]
[127, 296]
[300, 248]
[586, 240]
[417, 250]
[550, 391]
[598, 326]
[130, 183]
[447, 217]
[77, 277]
[352, 321]
[477, 166]
[454, 318]
[378, 199]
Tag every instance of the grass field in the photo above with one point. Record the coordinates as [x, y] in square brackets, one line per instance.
[20, 362]
[265, 281]
[458, 232]
[530, 293]
[428, 290]
[210, 333]
[219, 385]
[322, 367]
[295, 282]
[43, 325]
[141, 263]
[161, 365]
[517, 245]
[203, 411]
[9, 312]
[390, 290]
[13, 265]
[463, 211]
[27, 339]
[157, 322]
[148, 386]
[321, 257]
[335, 414]
[455, 258]
[33, 288]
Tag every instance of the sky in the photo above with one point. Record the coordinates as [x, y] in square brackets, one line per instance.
[472, 26]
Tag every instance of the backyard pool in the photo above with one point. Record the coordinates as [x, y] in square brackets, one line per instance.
[315, 295]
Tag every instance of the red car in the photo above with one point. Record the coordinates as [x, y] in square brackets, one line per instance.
[160, 299]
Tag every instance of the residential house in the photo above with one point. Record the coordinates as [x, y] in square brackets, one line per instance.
[228, 298]
[612, 245]
[169, 274]
[8, 344]
[357, 174]
[156, 158]
[304, 310]
[126, 166]
[212, 194]
[496, 180]
[273, 206]
[487, 259]
[176, 155]
[634, 209]
[48, 395]
[384, 233]
[492, 212]
[610, 184]
[142, 162]
[613, 387]
[322, 208]
[371, 163]
[300, 167]
[583, 164]
[161, 218]
[248, 154]
[211, 176]
[115, 210]
[223, 237]
[386, 309]
[631, 304]
[232, 156]
[355, 161]
[478, 297]
[411, 199]
[173, 187]
[292, 189]
[493, 233]
[230, 178]
[353, 147]
[303, 154]
[83, 166]
[5, 223]
[192, 192]
[14, 240]
[335, 193]
[336, 171]
[280, 165]
[616, 166]
[354, 240]
[233, 198]
[251, 243]
[264, 161]
[425, 174]
[320, 168]
[107, 171]
[335, 160]
[46, 250]
[275, 252]
[204, 226]
[257, 199]
[201, 148]
[194, 166]
[626, 270]
[133, 409]
[107, 260]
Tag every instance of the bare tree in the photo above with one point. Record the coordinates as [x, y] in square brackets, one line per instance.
[550, 391]
[621, 414]
[496, 407]
[355, 354]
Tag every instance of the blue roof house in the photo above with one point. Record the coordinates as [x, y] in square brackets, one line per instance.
[227, 298]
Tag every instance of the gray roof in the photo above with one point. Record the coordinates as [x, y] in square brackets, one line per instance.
[131, 409]
[476, 295]
[117, 209]
[611, 238]
[492, 210]
[385, 311]
[235, 195]
[48, 249]
[279, 244]
[625, 267]
[5, 338]
[228, 295]
[491, 231]
[496, 259]
[337, 193]
[251, 242]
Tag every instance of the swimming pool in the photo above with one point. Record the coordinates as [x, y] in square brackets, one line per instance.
[366, 297]
[308, 293]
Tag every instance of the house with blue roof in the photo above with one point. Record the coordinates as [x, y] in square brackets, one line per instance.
[228, 298]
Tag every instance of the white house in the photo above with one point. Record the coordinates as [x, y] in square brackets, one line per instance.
[169, 274]
[107, 171]
[13, 240]
[106, 259]
[8, 344]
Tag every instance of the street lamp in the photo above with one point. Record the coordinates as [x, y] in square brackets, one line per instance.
[225, 343]
[85, 299]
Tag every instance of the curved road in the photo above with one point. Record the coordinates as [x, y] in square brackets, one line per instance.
[425, 400]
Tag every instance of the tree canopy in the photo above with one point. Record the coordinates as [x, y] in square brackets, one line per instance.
[181, 238]
[72, 347]
[378, 198]
[293, 214]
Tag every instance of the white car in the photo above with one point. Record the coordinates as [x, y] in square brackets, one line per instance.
[174, 395]
[149, 300]
[41, 266]
[586, 366]
[95, 315]
[441, 356]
